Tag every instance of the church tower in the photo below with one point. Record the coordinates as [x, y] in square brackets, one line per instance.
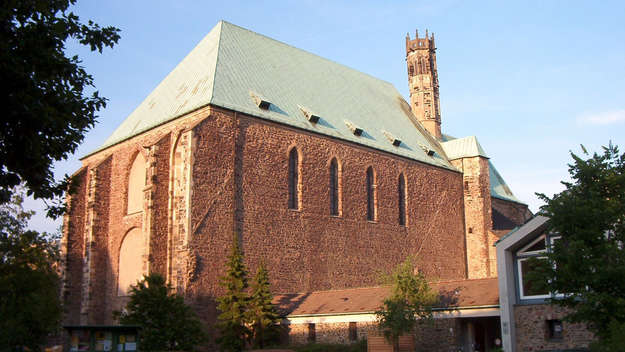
[423, 82]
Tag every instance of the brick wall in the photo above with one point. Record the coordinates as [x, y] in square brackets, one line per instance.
[532, 331]
[238, 170]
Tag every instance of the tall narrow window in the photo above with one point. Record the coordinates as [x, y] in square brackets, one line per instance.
[401, 190]
[293, 179]
[371, 196]
[334, 187]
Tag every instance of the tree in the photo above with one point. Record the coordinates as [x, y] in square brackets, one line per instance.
[46, 112]
[167, 323]
[30, 304]
[588, 263]
[233, 304]
[261, 313]
[410, 303]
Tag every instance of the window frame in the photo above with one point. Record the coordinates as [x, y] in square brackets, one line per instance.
[370, 180]
[294, 177]
[402, 201]
[335, 188]
[522, 255]
[522, 296]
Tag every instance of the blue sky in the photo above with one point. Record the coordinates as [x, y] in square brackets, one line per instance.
[532, 80]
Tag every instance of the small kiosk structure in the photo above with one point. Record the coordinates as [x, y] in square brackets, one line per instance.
[103, 338]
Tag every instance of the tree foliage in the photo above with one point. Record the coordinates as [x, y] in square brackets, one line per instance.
[30, 306]
[410, 303]
[231, 322]
[588, 263]
[167, 323]
[46, 111]
[261, 314]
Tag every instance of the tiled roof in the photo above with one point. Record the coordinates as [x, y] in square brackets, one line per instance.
[461, 293]
[232, 63]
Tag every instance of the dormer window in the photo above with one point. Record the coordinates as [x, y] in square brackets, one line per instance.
[310, 116]
[357, 131]
[260, 101]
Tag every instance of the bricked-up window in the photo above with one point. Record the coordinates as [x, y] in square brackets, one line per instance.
[312, 334]
[136, 185]
[353, 331]
[334, 188]
[130, 268]
[371, 195]
[294, 177]
[401, 193]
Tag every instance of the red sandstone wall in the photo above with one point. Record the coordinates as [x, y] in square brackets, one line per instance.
[239, 168]
[309, 249]
[74, 237]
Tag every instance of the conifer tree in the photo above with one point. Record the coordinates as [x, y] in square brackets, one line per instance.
[233, 304]
[262, 314]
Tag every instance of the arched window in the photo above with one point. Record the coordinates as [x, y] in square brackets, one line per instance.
[294, 180]
[136, 184]
[371, 196]
[130, 261]
[335, 192]
[401, 205]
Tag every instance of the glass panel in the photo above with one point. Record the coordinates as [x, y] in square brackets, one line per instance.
[530, 288]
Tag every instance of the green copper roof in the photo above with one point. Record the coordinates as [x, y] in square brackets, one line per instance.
[231, 64]
[463, 148]
[469, 147]
[498, 187]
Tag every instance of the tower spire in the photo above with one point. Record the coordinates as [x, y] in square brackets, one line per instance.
[423, 82]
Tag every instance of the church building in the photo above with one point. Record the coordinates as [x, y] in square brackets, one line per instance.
[326, 174]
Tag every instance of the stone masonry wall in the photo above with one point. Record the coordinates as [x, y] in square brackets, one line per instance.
[532, 330]
[477, 213]
[308, 249]
[239, 171]
[439, 336]
[118, 223]
[73, 241]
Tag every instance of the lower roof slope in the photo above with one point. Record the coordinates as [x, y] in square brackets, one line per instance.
[231, 63]
[458, 293]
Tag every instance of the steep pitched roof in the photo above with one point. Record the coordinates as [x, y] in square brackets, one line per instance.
[231, 63]
[469, 147]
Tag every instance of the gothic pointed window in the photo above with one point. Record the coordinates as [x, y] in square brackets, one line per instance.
[294, 180]
[136, 184]
[335, 191]
[371, 195]
[401, 204]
